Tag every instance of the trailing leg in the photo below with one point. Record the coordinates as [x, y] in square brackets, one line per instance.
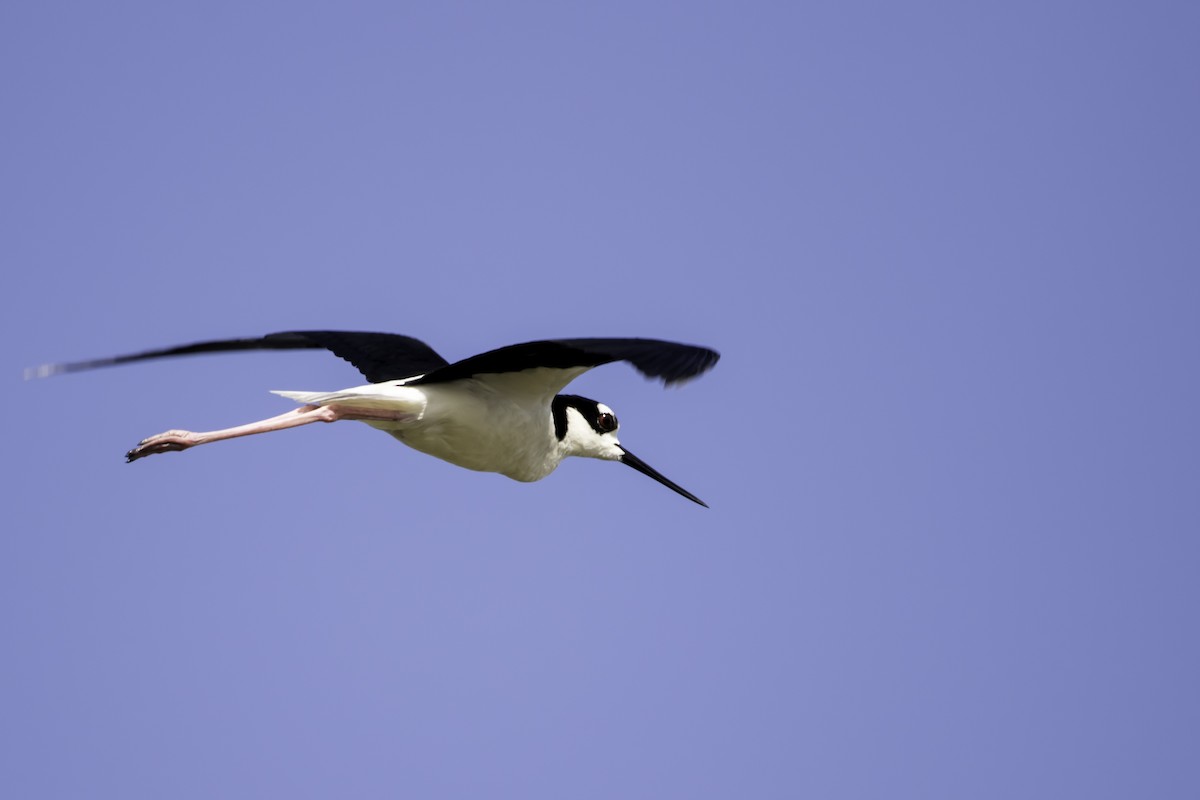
[175, 440]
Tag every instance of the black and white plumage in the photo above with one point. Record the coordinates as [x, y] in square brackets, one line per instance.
[499, 411]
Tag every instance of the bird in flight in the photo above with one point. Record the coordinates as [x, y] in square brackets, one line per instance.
[499, 411]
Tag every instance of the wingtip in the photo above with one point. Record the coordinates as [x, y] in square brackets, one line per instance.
[42, 371]
[706, 363]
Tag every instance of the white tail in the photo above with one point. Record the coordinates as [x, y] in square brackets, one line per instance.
[309, 398]
[388, 397]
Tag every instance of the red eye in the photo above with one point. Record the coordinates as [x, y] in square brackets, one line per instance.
[606, 422]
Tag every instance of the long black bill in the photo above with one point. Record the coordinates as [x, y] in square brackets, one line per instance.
[644, 468]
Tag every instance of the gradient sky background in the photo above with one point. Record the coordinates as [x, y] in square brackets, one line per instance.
[948, 251]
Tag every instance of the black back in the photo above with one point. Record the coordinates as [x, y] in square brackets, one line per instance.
[670, 362]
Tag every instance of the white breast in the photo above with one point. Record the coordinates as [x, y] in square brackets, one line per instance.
[470, 424]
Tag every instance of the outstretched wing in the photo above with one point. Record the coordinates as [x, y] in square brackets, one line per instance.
[545, 368]
[378, 356]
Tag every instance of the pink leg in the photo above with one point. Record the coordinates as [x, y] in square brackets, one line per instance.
[182, 440]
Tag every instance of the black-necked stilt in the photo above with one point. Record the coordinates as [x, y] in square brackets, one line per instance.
[499, 411]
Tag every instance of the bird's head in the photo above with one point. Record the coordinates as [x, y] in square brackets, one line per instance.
[588, 428]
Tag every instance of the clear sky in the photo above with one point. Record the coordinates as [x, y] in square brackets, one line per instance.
[949, 252]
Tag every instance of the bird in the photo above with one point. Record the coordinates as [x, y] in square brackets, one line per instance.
[500, 411]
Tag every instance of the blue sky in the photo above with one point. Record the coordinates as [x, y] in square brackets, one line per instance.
[948, 252]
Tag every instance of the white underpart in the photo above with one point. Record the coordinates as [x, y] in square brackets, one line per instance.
[496, 423]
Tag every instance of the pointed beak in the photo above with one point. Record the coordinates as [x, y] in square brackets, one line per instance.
[644, 468]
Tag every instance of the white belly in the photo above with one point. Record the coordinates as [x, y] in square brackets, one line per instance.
[478, 429]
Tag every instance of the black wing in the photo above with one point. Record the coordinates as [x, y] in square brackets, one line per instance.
[669, 362]
[378, 356]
